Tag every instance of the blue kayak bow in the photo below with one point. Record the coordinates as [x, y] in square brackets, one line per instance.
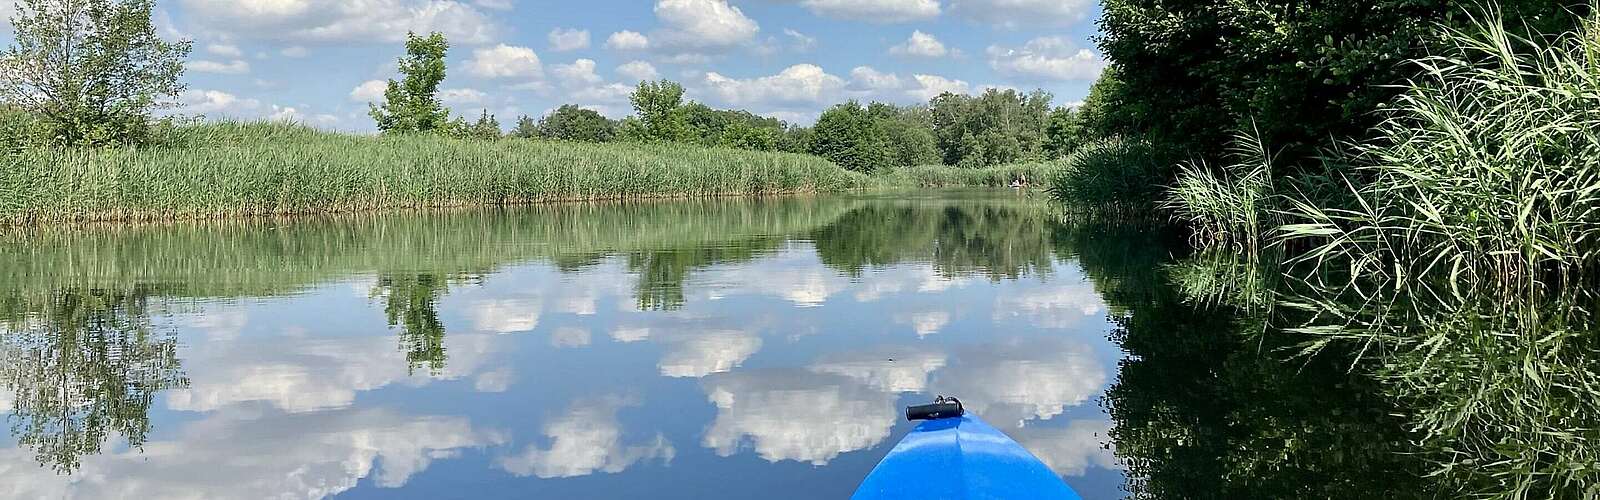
[955, 456]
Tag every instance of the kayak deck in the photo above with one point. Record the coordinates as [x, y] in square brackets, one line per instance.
[961, 459]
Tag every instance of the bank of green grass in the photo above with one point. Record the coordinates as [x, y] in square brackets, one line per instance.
[944, 176]
[1113, 177]
[252, 169]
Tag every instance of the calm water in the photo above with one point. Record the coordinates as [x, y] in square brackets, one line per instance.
[674, 350]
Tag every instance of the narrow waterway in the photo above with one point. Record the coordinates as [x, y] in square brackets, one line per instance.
[669, 350]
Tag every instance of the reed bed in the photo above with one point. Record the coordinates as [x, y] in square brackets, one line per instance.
[254, 169]
[1466, 261]
[1229, 206]
[942, 176]
[1114, 177]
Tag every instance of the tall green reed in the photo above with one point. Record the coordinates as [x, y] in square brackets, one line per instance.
[232, 169]
[1465, 260]
[1117, 177]
[1228, 206]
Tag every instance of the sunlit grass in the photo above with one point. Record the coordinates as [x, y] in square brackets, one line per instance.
[247, 169]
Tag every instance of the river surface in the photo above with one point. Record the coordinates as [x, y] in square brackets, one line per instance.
[667, 350]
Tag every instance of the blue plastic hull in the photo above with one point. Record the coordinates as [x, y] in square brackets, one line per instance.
[961, 459]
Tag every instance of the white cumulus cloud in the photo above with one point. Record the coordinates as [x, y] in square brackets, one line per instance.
[703, 24]
[921, 45]
[585, 440]
[930, 86]
[563, 40]
[369, 91]
[799, 84]
[1048, 58]
[505, 61]
[235, 67]
[627, 40]
[638, 71]
[796, 415]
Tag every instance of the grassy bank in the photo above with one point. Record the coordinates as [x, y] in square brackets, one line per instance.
[246, 169]
[943, 176]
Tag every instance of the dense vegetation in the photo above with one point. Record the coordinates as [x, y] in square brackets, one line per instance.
[1409, 186]
[262, 169]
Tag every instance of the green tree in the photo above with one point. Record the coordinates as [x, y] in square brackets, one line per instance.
[486, 128]
[997, 127]
[93, 70]
[572, 123]
[411, 303]
[1302, 73]
[660, 113]
[848, 136]
[527, 128]
[83, 365]
[1064, 134]
[412, 104]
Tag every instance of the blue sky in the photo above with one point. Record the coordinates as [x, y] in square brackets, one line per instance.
[317, 61]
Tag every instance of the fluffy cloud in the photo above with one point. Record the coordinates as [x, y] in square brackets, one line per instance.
[1048, 58]
[235, 67]
[504, 316]
[796, 415]
[563, 40]
[215, 102]
[294, 52]
[703, 24]
[876, 11]
[1011, 382]
[701, 353]
[258, 454]
[1071, 450]
[627, 40]
[1015, 13]
[505, 61]
[638, 71]
[578, 74]
[920, 45]
[343, 21]
[369, 91]
[798, 85]
[306, 375]
[930, 86]
[866, 78]
[889, 369]
[587, 439]
[1059, 307]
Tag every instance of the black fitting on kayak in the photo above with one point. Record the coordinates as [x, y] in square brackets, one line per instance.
[942, 407]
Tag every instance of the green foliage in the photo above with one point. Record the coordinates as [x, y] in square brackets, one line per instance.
[526, 128]
[1463, 260]
[1064, 133]
[1305, 72]
[1112, 177]
[995, 128]
[258, 169]
[1230, 207]
[848, 136]
[91, 71]
[572, 123]
[412, 104]
[660, 115]
[486, 128]
[942, 176]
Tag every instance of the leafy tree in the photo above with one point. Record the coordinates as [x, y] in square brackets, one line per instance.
[487, 127]
[994, 128]
[1064, 134]
[572, 123]
[743, 135]
[1303, 73]
[412, 105]
[908, 132]
[848, 136]
[659, 106]
[527, 128]
[93, 70]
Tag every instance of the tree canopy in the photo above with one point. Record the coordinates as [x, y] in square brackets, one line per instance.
[412, 104]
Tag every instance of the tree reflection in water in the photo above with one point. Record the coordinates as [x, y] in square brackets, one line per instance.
[83, 365]
[411, 303]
